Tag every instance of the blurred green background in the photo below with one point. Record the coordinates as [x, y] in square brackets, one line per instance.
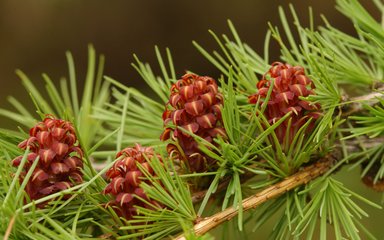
[34, 35]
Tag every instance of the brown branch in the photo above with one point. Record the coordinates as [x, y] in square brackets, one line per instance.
[356, 104]
[9, 228]
[352, 145]
[360, 143]
[302, 177]
[373, 96]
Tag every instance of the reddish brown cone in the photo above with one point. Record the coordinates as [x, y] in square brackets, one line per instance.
[290, 83]
[194, 105]
[60, 158]
[125, 178]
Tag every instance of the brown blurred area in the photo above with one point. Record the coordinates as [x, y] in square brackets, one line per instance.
[34, 35]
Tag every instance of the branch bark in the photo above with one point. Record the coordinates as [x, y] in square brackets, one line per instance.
[302, 177]
[356, 103]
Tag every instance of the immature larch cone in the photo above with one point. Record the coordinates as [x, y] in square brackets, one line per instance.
[194, 105]
[289, 84]
[60, 163]
[125, 178]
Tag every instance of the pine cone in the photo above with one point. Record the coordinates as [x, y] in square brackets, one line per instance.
[60, 158]
[290, 83]
[195, 105]
[125, 178]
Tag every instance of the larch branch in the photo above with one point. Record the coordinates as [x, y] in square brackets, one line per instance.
[356, 103]
[302, 177]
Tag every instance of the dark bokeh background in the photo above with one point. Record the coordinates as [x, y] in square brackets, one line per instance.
[34, 35]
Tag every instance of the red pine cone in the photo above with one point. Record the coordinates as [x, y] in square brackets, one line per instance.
[195, 105]
[290, 83]
[60, 162]
[125, 178]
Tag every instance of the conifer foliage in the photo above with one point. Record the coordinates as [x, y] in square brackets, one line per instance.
[268, 140]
